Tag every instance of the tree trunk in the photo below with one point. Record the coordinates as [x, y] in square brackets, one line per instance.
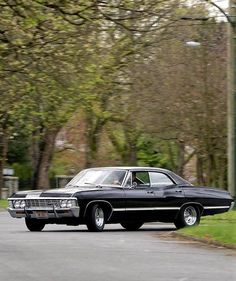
[127, 148]
[130, 155]
[180, 157]
[91, 150]
[45, 159]
[171, 156]
[1, 177]
[34, 152]
[93, 134]
[200, 173]
[3, 155]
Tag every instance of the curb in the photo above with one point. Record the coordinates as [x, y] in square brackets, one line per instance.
[204, 241]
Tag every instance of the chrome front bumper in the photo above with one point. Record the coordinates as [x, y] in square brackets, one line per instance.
[44, 213]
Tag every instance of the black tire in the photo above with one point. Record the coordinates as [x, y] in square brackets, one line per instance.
[34, 224]
[131, 226]
[188, 216]
[96, 218]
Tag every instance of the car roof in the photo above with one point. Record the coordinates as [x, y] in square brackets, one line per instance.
[133, 168]
[175, 177]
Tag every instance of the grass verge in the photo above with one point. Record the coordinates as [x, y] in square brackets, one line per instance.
[218, 228]
[3, 203]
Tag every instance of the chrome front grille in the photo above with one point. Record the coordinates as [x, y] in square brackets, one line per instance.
[42, 203]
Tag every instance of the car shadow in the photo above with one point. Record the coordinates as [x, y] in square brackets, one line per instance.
[145, 229]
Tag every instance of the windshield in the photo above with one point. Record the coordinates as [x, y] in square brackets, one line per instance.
[98, 177]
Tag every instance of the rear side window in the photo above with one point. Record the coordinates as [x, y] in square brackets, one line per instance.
[159, 179]
[143, 177]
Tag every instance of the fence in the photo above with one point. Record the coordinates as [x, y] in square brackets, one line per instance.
[11, 185]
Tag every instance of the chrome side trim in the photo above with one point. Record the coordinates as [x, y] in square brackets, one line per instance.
[163, 208]
[145, 209]
[216, 207]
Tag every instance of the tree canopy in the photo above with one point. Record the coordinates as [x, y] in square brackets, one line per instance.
[123, 64]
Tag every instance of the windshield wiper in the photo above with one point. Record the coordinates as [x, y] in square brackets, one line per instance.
[87, 183]
[69, 185]
[94, 184]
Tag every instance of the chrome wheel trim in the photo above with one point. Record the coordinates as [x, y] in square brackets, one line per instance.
[99, 217]
[190, 215]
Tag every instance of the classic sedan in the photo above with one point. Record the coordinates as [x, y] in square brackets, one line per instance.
[130, 196]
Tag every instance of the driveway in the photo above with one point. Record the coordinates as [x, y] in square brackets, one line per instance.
[71, 253]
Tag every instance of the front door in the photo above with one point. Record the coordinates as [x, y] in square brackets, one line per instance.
[139, 197]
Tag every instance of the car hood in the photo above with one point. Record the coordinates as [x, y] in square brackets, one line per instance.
[58, 192]
[68, 192]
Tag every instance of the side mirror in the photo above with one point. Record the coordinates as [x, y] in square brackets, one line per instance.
[134, 185]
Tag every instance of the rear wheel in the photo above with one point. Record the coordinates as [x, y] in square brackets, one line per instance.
[96, 218]
[131, 226]
[188, 216]
[34, 224]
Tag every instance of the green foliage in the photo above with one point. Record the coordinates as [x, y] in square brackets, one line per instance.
[58, 168]
[22, 170]
[150, 153]
[18, 149]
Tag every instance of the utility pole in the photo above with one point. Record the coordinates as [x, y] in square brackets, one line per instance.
[231, 89]
[232, 98]
[231, 18]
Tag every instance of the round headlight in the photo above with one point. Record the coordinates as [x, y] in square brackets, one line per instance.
[22, 204]
[63, 203]
[10, 204]
[17, 204]
[70, 203]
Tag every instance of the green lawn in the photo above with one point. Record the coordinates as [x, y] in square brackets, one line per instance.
[220, 228]
[3, 203]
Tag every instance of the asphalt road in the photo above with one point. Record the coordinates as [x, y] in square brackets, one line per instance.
[71, 253]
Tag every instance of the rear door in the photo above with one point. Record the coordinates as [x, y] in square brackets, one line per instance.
[169, 196]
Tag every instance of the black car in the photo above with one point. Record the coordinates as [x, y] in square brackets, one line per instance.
[130, 196]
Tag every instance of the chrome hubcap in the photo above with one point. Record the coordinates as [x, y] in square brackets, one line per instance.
[99, 217]
[190, 215]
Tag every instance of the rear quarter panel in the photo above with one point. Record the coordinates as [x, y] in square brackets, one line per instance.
[213, 200]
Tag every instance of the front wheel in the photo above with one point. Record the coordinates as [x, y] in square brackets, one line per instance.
[188, 216]
[131, 226]
[34, 224]
[96, 219]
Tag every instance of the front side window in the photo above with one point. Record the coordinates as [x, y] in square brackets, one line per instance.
[159, 179]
